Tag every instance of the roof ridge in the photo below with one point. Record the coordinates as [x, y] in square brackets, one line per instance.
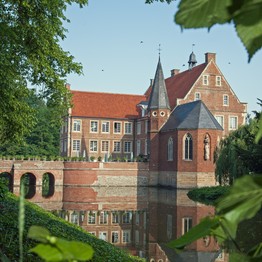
[107, 93]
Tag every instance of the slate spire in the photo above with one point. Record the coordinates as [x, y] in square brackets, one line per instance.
[158, 97]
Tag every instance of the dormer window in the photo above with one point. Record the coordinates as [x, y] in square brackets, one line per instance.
[205, 80]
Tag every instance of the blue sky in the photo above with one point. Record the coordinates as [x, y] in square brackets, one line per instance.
[106, 36]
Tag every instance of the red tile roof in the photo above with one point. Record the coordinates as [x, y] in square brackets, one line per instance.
[105, 105]
[179, 85]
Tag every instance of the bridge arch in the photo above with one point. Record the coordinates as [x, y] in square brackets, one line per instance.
[29, 181]
[9, 180]
[48, 185]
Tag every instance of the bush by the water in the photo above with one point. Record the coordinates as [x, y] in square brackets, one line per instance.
[34, 215]
[207, 195]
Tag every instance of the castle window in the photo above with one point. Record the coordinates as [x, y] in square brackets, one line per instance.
[91, 217]
[127, 216]
[76, 145]
[197, 96]
[138, 147]
[218, 80]
[138, 128]
[128, 146]
[103, 218]
[103, 236]
[105, 127]
[115, 218]
[128, 128]
[188, 147]
[115, 237]
[232, 122]
[117, 127]
[104, 146]
[220, 120]
[76, 125]
[93, 146]
[205, 80]
[186, 224]
[94, 127]
[225, 100]
[126, 237]
[170, 149]
[117, 146]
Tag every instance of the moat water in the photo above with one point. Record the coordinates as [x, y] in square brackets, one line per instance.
[141, 220]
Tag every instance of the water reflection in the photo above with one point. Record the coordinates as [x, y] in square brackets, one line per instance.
[140, 220]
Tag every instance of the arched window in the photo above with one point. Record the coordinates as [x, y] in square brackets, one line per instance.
[188, 147]
[170, 152]
[7, 179]
[29, 181]
[48, 185]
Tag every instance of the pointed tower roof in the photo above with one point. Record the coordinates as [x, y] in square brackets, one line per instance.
[158, 97]
[193, 115]
[192, 60]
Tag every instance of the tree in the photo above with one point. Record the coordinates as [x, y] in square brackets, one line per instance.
[246, 15]
[30, 32]
[43, 139]
[239, 153]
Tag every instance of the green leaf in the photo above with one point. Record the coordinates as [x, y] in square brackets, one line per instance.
[38, 233]
[202, 13]
[204, 228]
[75, 250]
[243, 202]
[47, 252]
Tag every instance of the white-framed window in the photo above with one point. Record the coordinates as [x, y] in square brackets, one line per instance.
[188, 147]
[93, 126]
[91, 218]
[117, 146]
[138, 147]
[115, 217]
[218, 80]
[103, 235]
[126, 236]
[74, 218]
[93, 146]
[77, 125]
[76, 145]
[225, 100]
[186, 224]
[197, 96]
[104, 146]
[127, 146]
[117, 127]
[128, 128]
[205, 80]
[138, 128]
[114, 237]
[220, 120]
[170, 151]
[126, 218]
[232, 122]
[103, 217]
[105, 126]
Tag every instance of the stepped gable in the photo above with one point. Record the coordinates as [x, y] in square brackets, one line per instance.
[105, 105]
[194, 115]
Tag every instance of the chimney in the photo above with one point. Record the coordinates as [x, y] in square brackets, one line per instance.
[174, 72]
[209, 57]
[67, 86]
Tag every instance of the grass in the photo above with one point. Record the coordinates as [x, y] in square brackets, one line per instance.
[34, 215]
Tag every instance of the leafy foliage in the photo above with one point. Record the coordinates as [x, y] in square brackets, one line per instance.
[34, 215]
[207, 195]
[243, 202]
[30, 32]
[246, 16]
[239, 153]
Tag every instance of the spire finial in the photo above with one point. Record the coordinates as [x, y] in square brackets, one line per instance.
[159, 49]
[193, 47]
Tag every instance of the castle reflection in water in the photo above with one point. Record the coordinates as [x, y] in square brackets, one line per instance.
[141, 220]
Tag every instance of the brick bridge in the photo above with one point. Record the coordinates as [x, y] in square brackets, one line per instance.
[64, 174]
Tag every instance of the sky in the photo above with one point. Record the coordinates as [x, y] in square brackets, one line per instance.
[117, 42]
